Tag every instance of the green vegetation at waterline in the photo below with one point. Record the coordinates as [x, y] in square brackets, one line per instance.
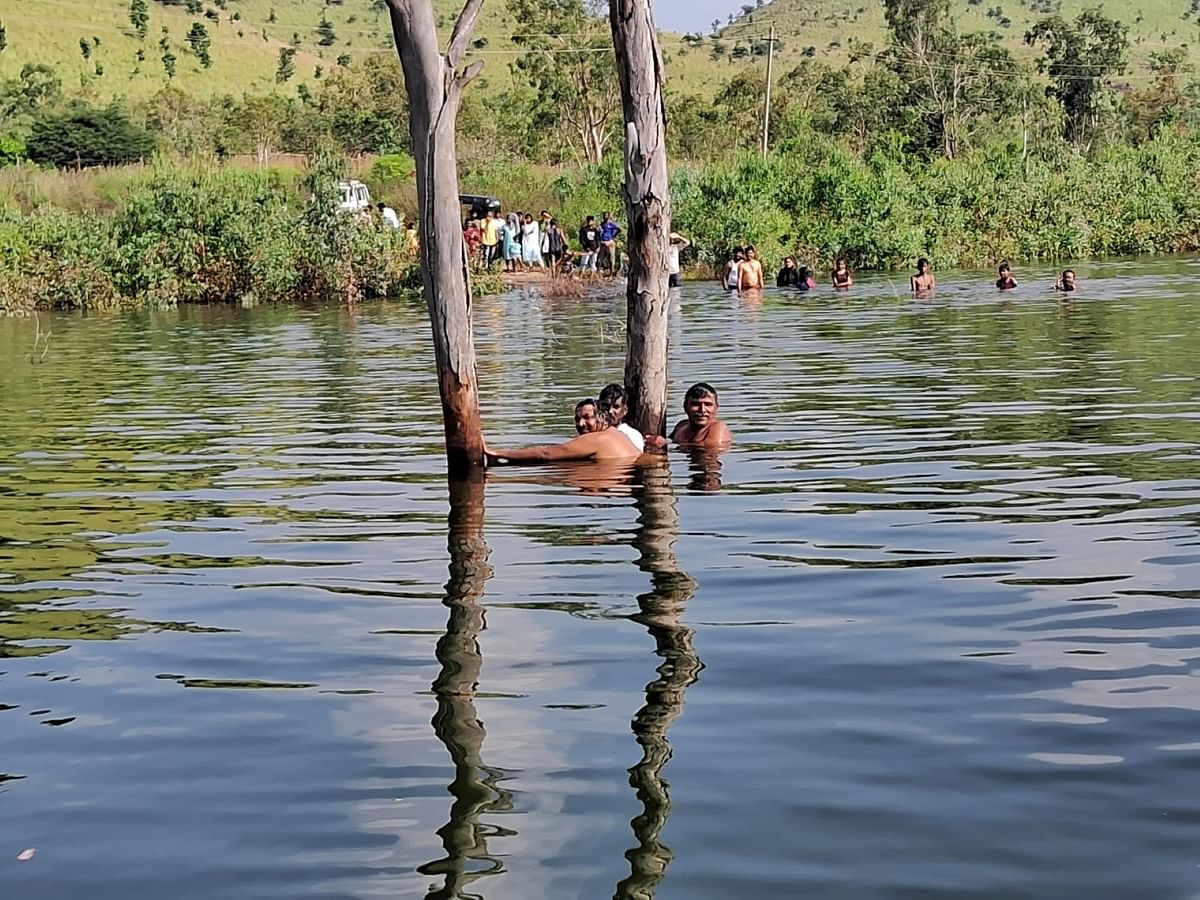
[204, 235]
[817, 200]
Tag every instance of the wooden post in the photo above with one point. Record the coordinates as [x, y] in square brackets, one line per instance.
[435, 85]
[766, 132]
[648, 210]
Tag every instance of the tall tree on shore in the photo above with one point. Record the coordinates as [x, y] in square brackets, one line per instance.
[641, 73]
[568, 66]
[1080, 57]
[956, 81]
[435, 84]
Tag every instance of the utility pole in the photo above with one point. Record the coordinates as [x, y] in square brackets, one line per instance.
[766, 131]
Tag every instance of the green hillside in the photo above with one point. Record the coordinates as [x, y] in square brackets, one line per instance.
[823, 28]
[247, 36]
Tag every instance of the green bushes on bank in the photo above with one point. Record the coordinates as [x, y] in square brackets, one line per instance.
[817, 200]
[200, 235]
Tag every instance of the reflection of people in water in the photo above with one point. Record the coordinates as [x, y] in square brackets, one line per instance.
[1066, 281]
[704, 467]
[586, 420]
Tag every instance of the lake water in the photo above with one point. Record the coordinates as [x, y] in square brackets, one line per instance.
[930, 629]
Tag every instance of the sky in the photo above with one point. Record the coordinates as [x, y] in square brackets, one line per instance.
[692, 15]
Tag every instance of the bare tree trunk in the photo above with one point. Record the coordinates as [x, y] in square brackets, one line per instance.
[435, 88]
[648, 208]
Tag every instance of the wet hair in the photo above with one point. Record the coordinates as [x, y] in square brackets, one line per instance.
[586, 401]
[922, 263]
[804, 273]
[610, 395]
[737, 250]
[841, 261]
[1004, 267]
[699, 391]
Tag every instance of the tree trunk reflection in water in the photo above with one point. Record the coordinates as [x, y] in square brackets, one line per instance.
[661, 610]
[456, 723]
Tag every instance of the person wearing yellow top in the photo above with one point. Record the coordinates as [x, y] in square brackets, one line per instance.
[491, 238]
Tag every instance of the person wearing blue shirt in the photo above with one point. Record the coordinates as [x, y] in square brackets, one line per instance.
[608, 241]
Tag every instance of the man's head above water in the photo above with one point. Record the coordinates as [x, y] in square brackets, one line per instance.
[587, 418]
[614, 403]
[700, 404]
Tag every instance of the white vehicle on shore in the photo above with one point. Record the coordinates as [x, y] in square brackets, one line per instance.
[355, 197]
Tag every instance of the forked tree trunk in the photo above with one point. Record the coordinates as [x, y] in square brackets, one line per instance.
[435, 87]
[648, 209]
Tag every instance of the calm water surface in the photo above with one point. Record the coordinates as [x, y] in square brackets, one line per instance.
[929, 630]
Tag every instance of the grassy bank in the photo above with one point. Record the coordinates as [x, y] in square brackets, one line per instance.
[168, 234]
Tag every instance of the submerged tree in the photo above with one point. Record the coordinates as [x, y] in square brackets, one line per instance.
[435, 84]
[1080, 57]
[641, 73]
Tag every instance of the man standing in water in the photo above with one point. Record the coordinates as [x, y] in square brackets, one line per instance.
[701, 428]
[678, 244]
[614, 406]
[586, 419]
[1005, 282]
[752, 271]
[923, 282]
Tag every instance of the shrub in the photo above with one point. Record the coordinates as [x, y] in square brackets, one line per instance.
[86, 136]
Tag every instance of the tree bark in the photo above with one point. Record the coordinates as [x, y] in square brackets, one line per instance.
[435, 85]
[648, 209]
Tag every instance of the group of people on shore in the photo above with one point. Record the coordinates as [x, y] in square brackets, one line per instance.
[521, 243]
[603, 435]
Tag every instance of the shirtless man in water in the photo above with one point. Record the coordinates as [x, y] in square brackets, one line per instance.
[586, 420]
[604, 444]
[751, 275]
[923, 281]
[701, 428]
